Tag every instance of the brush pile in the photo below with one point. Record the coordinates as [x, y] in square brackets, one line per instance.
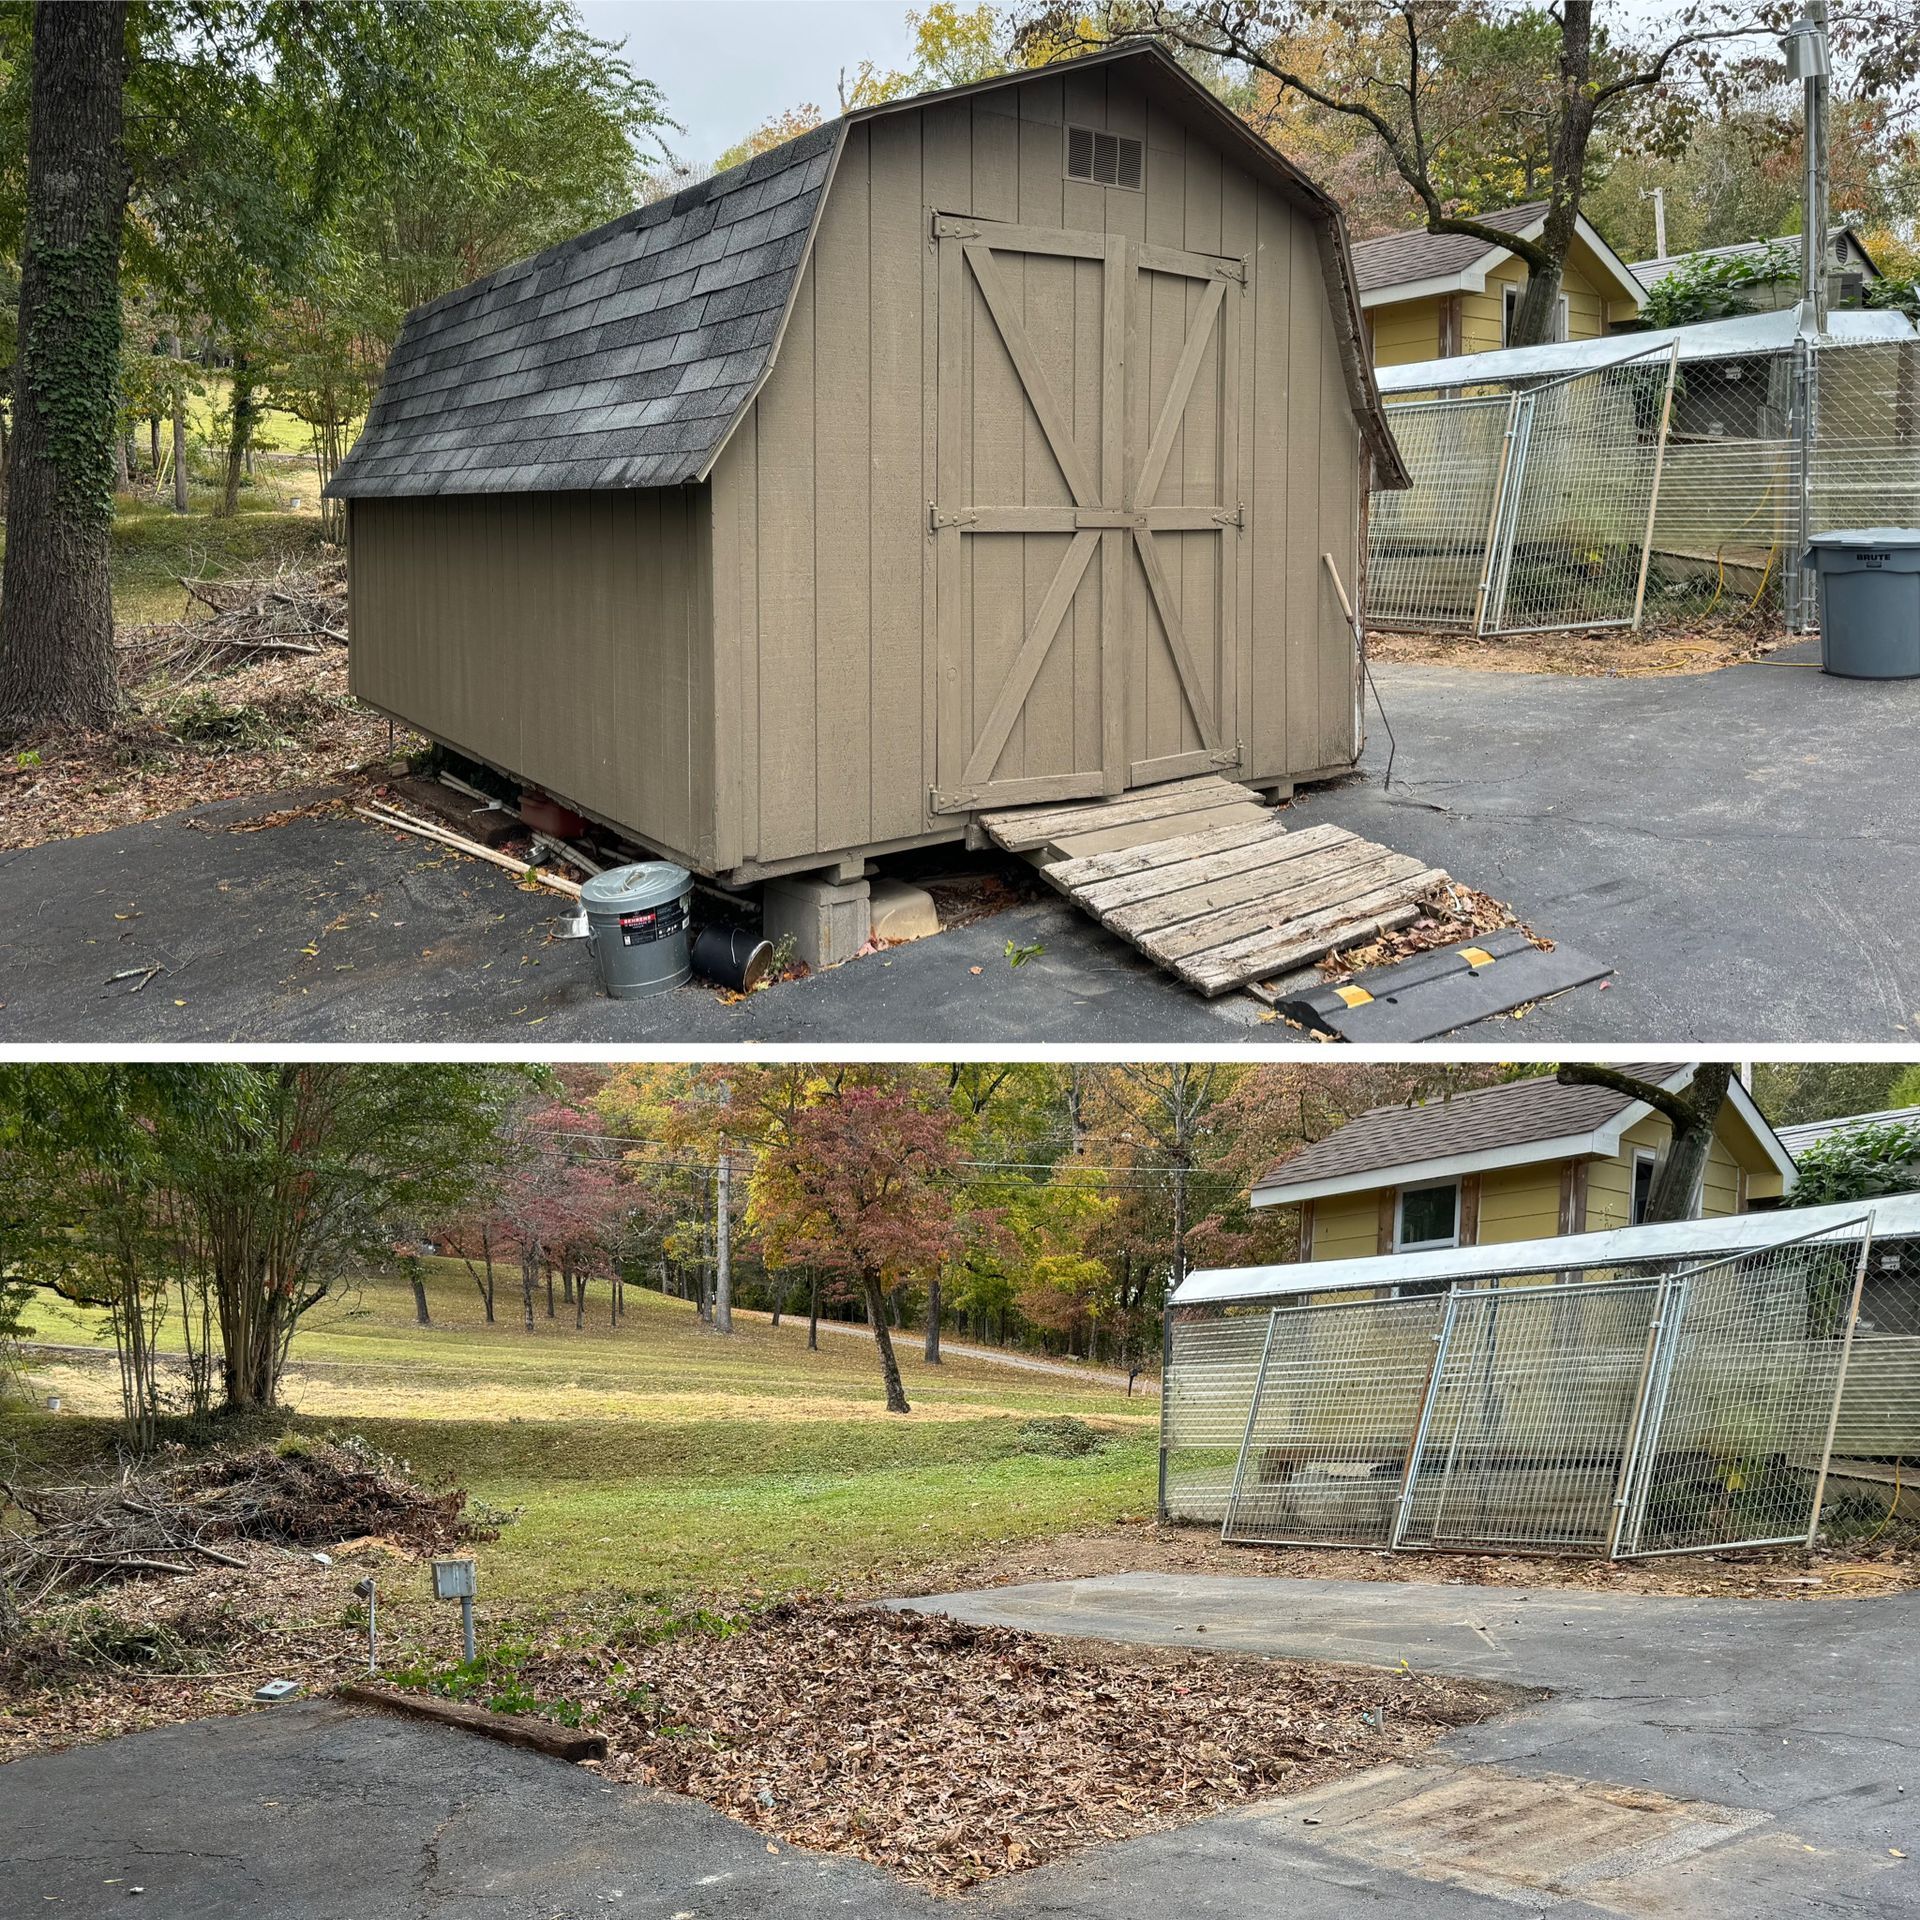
[300, 609]
[167, 1520]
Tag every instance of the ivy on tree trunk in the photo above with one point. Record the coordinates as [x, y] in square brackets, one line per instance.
[56, 602]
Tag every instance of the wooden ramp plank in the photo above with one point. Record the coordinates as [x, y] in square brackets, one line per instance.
[1023, 829]
[1080, 846]
[1204, 879]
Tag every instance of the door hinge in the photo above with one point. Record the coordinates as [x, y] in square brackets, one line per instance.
[960, 517]
[946, 227]
[1233, 516]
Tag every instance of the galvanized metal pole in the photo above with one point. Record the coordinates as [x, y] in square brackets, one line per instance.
[1253, 1414]
[1840, 1384]
[1166, 1378]
[1443, 1340]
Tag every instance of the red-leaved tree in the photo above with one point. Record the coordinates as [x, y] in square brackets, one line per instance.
[860, 1183]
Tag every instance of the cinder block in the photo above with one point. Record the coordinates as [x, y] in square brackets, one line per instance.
[828, 920]
[902, 911]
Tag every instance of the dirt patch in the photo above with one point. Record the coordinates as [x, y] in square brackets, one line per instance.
[951, 1753]
[1599, 652]
[1782, 1574]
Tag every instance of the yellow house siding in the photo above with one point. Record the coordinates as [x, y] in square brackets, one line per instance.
[1405, 331]
[1519, 1203]
[1346, 1227]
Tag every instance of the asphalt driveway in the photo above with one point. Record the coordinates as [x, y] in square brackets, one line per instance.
[1743, 846]
[1698, 1757]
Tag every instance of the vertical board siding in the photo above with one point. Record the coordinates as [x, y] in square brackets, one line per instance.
[551, 635]
[829, 618]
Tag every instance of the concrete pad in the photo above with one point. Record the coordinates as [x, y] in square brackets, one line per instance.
[901, 911]
[828, 921]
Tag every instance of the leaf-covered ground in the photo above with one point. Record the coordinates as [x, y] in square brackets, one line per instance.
[1667, 647]
[949, 1752]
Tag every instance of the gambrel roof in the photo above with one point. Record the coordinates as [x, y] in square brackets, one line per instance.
[625, 356]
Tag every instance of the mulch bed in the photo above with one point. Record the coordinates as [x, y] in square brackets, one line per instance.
[950, 1753]
[1600, 652]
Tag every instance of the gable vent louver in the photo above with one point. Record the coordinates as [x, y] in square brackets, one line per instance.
[1106, 159]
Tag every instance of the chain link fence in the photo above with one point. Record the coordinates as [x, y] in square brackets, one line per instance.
[1758, 451]
[1636, 1409]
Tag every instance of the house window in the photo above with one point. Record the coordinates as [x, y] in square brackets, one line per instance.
[1427, 1217]
[1510, 312]
[1642, 1184]
[1107, 159]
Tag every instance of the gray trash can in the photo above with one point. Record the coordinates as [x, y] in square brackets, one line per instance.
[637, 922]
[1869, 601]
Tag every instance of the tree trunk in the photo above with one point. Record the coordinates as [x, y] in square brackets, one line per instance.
[580, 1301]
[889, 1366]
[486, 1248]
[527, 1282]
[56, 611]
[723, 1248]
[813, 1311]
[1536, 318]
[1692, 1113]
[246, 415]
[566, 1286]
[933, 1323]
[122, 473]
[153, 449]
[179, 432]
[549, 1293]
[420, 1314]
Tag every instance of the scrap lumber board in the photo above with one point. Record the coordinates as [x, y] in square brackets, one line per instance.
[1215, 889]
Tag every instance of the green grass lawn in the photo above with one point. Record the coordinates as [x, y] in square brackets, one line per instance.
[153, 547]
[660, 1457]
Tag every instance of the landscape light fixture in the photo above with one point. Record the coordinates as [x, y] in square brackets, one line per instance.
[453, 1580]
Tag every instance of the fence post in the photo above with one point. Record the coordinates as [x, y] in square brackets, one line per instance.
[1839, 1384]
[1166, 1377]
[1513, 476]
[1795, 582]
[1441, 1341]
[1629, 1457]
[1253, 1413]
[1653, 498]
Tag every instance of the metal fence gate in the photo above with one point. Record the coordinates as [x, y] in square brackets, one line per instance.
[1662, 1413]
[1743, 1398]
[1527, 1428]
[1334, 1405]
[1530, 511]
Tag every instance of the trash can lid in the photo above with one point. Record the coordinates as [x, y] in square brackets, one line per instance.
[646, 883]
[1867, 537]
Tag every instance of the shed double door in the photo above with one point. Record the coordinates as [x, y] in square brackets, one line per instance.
[1086, 515]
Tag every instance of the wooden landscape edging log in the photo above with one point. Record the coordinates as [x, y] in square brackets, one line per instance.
[513, 1730]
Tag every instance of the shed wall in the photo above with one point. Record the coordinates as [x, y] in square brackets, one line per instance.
[560, 637]
[824, 586]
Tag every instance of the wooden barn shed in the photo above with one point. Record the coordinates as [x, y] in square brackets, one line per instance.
[973, 449]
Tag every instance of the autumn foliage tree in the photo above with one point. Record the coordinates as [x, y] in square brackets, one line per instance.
[861, 1184]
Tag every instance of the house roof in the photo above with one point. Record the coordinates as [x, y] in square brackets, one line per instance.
[1409, 265]
[1395, 259]
[1809, 1133]
[1674, 1243]
[1648, 271]
[1515, 1113]
[625, 356]
[1519, 1123]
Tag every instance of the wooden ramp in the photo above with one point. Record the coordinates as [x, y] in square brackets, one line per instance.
[1201, 876]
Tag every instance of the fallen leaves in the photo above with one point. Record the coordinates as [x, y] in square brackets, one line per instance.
[1449, 915]
[951, 1752]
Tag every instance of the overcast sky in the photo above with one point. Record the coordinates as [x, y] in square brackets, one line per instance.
[727, 65]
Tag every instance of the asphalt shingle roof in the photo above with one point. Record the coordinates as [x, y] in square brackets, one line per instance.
[1400, 259]
[1514, 1114]
[616, 359]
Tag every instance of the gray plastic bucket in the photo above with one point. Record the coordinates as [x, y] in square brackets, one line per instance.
[637, 924]
[1869, 601]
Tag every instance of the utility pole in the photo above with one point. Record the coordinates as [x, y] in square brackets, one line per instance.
[1805, 46]
[723, 1247]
